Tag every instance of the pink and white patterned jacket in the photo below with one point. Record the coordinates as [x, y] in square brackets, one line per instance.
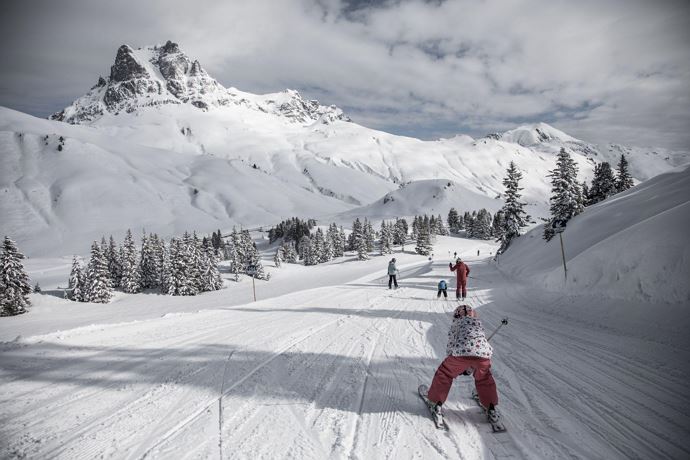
[467, 338]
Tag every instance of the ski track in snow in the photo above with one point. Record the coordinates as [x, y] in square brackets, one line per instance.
[333, 372]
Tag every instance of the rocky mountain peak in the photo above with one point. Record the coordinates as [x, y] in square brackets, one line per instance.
[164, 75]
[126, 66]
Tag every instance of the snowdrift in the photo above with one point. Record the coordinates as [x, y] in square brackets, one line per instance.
[632, 246]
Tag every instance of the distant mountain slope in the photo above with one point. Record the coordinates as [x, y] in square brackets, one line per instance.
[159, 126]
[432, 197]
[55, 202]
[646, 228]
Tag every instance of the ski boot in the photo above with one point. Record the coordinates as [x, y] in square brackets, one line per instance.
[492, 415]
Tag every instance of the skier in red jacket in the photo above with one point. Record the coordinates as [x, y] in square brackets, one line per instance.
[463, 272]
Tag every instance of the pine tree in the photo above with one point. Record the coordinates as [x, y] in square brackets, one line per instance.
[466, 222]
[278, 257]
[386, 239]
[230, 254]
[289, 254]
[369, 235]
[585, 194]
[400, 233]
[440, 228]
[623, 178]
[304, 250]
[210, 275]
[453, 221]
[131, 274]
[566, 194]
[470, 224]
[14, 282]
[76, 281]
[114, 262]
[257, 266]
[148, 263]
[603, 183]
[336, 241]
[423, 241]
[194, 260]
[361, 247]
[327, 247]
[317, 246]
[482, 225]
[513, 217]
[342, 240]
[97, 282]
[498, 226]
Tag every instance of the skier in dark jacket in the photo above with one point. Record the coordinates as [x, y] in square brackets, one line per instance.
[463, 272]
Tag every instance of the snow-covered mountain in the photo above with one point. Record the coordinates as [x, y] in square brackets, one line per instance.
[164, 75]
[159, 144]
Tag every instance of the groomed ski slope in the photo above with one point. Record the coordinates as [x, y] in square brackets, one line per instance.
[332, 372]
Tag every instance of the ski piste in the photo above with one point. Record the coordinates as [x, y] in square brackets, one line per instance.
[438, 421]
[496, 427]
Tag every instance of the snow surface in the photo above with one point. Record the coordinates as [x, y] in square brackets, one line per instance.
[327, 362]
[634, 245]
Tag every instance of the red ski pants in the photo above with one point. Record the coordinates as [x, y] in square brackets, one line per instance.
[462, 287]
[453, 366]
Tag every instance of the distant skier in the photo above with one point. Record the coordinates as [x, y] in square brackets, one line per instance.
[468, 352]
[477, 252]
[442, 288]
[392, 274]
[463, 272]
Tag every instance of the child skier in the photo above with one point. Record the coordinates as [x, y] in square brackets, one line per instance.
[468, 351]
[442, 288]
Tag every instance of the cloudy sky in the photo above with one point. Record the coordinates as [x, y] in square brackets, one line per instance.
[603, 71]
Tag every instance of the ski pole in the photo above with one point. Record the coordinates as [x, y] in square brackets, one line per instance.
[504, 321]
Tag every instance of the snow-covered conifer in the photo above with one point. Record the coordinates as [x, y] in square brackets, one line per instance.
[76, 281]
[423, 246]
[210, 275]
[623, 178]
[440, 227]
[97, 283]
[498, 226]
[149, 264]
[603, 184]
[112, 255]
[566, 193]
[131, 271]
[386, 238]
[14, 282]
[513, 217]
[369, 235]
[278, 257]
[453, 221]
[304, 250]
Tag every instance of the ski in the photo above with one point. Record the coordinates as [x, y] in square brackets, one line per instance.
[436, 417]
[496, 427]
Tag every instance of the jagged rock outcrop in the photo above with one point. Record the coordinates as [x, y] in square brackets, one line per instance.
[160, 75]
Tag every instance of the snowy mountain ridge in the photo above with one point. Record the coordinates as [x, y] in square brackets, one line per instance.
[179, 151]
[163, 74]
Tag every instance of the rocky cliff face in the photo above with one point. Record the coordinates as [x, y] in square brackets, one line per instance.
[158, 75]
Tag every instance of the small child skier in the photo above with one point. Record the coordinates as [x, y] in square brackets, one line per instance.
[442, 288]
[468, 352]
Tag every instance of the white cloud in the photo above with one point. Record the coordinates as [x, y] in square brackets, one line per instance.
[609, 71]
